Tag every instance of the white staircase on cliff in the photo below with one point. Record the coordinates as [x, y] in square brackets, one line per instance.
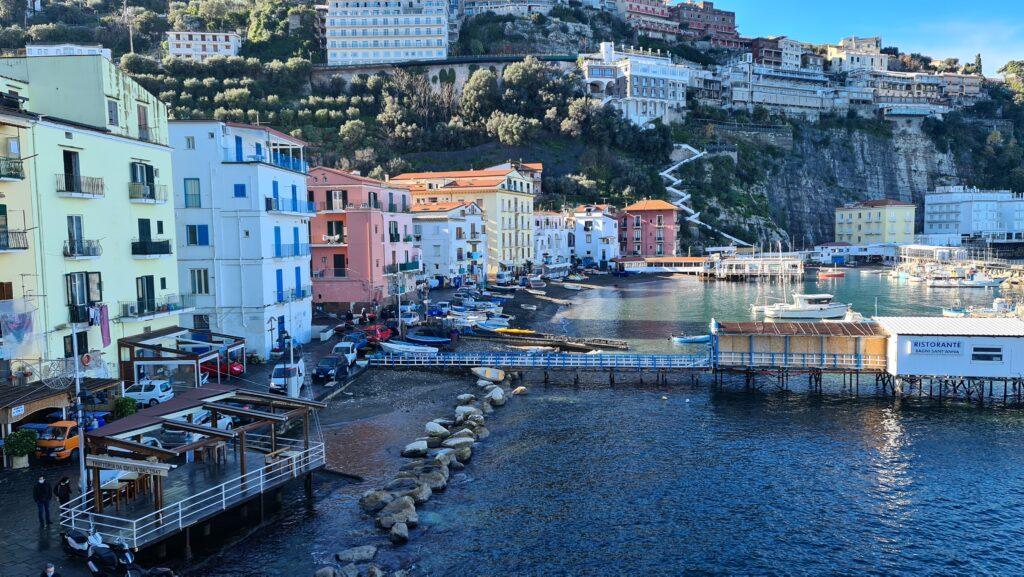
[683, 198]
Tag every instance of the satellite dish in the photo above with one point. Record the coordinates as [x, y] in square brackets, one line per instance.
[58, 373]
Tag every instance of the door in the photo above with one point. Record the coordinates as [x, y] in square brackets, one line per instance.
[277, 241]
[145, 230]
[72, 180]
[339, 265]
[279, 277]
[259, 151]
[298, 282]
[145, 294]
[295, 239]
[295, 198]
[75, 244]
[239, 157]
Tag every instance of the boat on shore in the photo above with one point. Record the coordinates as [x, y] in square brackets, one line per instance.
[427, 339]
[406, 348]
[572, 286]
[535, 292]
[488, 374]
[527, 307]
[690, 339]
[537, 350]
[808, 307]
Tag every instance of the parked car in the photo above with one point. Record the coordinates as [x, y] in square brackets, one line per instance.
[58, 441]
[330, 368]
[150, 392]
[285, 372]
[377, 334]
[343, 328]
[147, 441]
[357, 338]
[346, 350]
[233, 368]
[409, 318]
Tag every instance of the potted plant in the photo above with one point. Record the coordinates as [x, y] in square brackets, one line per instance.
[19, 445]
[124, 406]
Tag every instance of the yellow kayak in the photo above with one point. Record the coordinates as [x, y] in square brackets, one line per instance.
[515, 331]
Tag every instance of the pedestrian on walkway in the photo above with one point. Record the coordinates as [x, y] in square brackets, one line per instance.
[42, 494]
[63, 491]
[50, 571]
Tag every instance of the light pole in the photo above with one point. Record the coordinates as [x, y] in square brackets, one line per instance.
[79, 413]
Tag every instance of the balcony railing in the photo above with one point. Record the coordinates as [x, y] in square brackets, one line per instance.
[407, 238]
[78, 314]
[333, 240]
[289, 205]
[330, 273]
[290, 250]
[295, 294]
[147, 307]
[390, 269]
[81, 248]
[151, 247]
[13, 240]
[148, 134]
[278, 160]
[147, 192]
[409, 266]
[77, 185]
[11, 169]
[394, 237]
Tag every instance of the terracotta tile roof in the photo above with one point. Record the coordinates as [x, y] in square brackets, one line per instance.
[533, 165]
[878, 202]
[601, 207]
[438, 206]
[345, 174]
[650, 204]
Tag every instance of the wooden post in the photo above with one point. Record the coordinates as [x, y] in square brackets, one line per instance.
[241, 451]
[305, 427]
[97, 493]
[273, 437]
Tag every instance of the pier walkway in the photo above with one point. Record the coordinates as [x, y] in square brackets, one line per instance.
[552, 361]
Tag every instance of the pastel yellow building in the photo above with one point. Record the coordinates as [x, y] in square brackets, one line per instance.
[876, 221]
[506, 197]
[92, 201]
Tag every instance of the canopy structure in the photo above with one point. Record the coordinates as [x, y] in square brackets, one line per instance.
[175, 354]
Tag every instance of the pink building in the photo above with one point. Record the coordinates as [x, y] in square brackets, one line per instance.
[361, 240]
[648, 228]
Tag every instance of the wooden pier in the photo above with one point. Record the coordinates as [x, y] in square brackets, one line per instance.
[561, 341]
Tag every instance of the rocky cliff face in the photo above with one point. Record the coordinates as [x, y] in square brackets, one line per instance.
[828, 168]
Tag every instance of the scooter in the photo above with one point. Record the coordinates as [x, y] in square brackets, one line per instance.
[117, 560]
[78, 544]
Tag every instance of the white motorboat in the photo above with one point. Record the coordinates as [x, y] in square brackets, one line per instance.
[488, 374]
[527, 307]
[808, 307]
[406, 348]
[572, 286]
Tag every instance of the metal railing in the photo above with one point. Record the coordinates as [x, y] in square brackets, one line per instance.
[278, 160]
[409, 266]
[288, 204]
[147, 192]
[545, 361]
[149, 134]
[79, 513]
[11, 168]
[13, 240]
[82, 248]
[151, 247]
[330, 273]
[801, 360]
[390, 268]
[287, 295]
[144, 307]
[290, 250]
[79, 185]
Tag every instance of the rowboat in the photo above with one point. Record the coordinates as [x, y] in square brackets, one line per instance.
[429, 340]
[508, 331]
[527, 307]
[572, 287]
[690, 339]
[402, 347]
[831, 273]
[536, 293]
[488, 374]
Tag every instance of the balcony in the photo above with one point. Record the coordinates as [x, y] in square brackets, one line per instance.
[328, 240]
[77, 186]
[151, 248]
[145, 308]
[148, 134]
[11, 169]
[278, 160]
[395, 238]
[407, 238]
[409, 266]
[297, 294]
[289, 205]
[13, 240]
[147, 193]
[79, 249]
[330, 273]
[291, 250]
[391, 269]
[78, 314]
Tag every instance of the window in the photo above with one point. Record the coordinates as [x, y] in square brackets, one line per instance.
[192, 198]
[199, 281]
[240, 190]
[6, 291]
[83, 344]
[987, 354]
[201, 322]
[197, 235]
[190, 144]
[112, 116]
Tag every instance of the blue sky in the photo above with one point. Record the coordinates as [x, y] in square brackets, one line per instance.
[939, 28]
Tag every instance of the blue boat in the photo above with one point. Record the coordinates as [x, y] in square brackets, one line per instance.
[690, 339]
[427, 340]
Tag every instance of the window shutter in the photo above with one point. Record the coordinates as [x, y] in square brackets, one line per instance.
[95, 282]
[69, 288]
[203, 233]
[330, 199]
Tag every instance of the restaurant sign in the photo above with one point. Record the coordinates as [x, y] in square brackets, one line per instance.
[936, 347]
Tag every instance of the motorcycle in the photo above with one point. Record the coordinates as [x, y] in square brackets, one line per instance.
[78, 544]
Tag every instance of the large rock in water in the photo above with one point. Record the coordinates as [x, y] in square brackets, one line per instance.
[457, 442]
[399, 533]
[406, 486]
[373, 501]
[326, 572]
[465, 398]
[483, 383]
[357, 554]
[401, 510]
[415, 449]
[463, 433]
[496, 397]
[463, 412]
[435, 429]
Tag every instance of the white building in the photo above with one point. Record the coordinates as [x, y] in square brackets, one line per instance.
[66, 49]
[554, 241]
[200, 46]
[644, 85]
[954, 347]
[452, 240]
[512, 7]
[955, 215]
[242, 219]
[856, 54]
[806, 92]
[596, 234]
[386, 31]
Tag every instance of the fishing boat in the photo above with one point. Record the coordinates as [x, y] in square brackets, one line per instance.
[406, 348]
[572, 287]
[492, 326]
[488, 374]
[427, 339]
[954, 312]
[690, 339]
[827, 273]
[502, 316]
[536, 282]
[537, 349]
[1000, 308]
[536, 293]
[807, 306]
[508, 331]
[527, 307]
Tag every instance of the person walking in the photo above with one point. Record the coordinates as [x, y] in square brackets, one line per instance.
[63, 491]
[49, 571]
[41, 494]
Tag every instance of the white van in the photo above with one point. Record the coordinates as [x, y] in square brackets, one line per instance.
[346, 349]
[284, 373]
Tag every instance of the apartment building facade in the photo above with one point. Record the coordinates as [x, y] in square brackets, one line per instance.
[364, 253]
[506, 197]
[66, 49]
[876, 222]
[554, 242]
[855, 53]
[648, 228]
[201, 46]
[386, 31]
[960, 215]
[642, 84]
[242, 224]
[650, 18]
[596, 230]
[452, 241]
[702, 21]
[85, 149]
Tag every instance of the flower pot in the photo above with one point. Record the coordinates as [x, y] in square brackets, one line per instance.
[19, 461]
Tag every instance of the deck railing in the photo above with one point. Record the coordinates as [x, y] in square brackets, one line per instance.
[79, 513]
[545, 361]
[802, 360]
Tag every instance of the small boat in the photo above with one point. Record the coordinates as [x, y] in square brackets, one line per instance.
[406, 348]
[536, 293]
[527, 307]
[690, 339]
[954, 312]
[851, 316]
[488, 374]
[831, 273]
[537, 349]
[492, 326]
[429, 340]
[537, 283]
[572, 287]
[508, 331]
[808, 306]
[576, 277]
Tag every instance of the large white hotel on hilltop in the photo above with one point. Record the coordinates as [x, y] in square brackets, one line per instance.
[375, 32]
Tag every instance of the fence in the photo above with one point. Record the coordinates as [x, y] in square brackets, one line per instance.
[545, 361]
[801, 361]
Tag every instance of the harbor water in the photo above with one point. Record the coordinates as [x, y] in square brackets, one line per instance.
[682, 479]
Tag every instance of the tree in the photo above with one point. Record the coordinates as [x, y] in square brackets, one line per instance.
[352, 134]
[479, 96]
[12, 12]
[511, 129]
[1014, 74]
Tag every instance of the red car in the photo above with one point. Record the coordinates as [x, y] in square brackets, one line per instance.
[377, 333]
[233, 368]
